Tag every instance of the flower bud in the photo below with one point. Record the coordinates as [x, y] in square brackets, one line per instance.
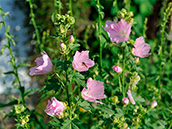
[154, 104]
[125, 125]
[136, 60]
[117, 69]
[62, 29]
[125, 100]
[71, 39]
[62, 46]
[114, 100]
[71, 20]
[121, 15]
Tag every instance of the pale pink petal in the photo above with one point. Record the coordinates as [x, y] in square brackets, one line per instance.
[55, 107]
[81, 61]
[130, 97]
[117, 69]
[95, 90]
[44, 65]
[141, 48]
[118, 32]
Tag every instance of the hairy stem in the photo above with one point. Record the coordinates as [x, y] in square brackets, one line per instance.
[99, 32]
[32, 16]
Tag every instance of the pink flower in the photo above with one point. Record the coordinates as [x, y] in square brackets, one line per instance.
[81, 61]
[54, 107]
[130, 97]
[141, 48]
[125, 100]
[154, 104]
[95, 90]
[44, 65]
[118, 32]
[117, 69]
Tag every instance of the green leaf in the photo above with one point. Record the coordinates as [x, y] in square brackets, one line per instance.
[10, 72]
[23, 65]
[119, 112]
[139, 99]
[52, 84]
[56, 124]
[30, 91]
[76, 77]
[102, 39]
[9, 104]
[58, 62]
[73, 46]
[72, 124]
[85, 105]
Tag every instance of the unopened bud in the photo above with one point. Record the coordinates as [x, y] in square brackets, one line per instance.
[62, 46]
[124, 11]
[154, 104]
[117, 69]
[71, 39]
[131, 20]
[136, 60]
[125, 125]
[115, 99]
[125, 101]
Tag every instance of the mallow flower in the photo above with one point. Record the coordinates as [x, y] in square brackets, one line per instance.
[95, 90]
[118, 32]
[54, 107]
[141, 48]
[44, 65]
[130, 97]
[117, 69]
[81, 61]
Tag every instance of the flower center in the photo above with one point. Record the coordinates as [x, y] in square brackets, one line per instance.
[84, 64]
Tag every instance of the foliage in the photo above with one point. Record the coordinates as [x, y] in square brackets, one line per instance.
[142, 80]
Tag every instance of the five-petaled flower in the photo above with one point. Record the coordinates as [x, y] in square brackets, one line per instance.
[95, 90]
[141, 48]
[44, 65]
[54, 107]
[81, 61]
[118, 32]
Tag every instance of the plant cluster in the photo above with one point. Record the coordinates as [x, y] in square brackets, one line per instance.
[81, 91]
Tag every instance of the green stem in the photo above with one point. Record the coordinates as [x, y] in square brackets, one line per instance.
[15, 69]
[165, 17]
[60, 7]
[71, 13]
[38, 42]
[99, 32]
[123, 72]
[67, 89]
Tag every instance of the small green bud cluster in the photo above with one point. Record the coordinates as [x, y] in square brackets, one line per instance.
[20, 115]
[120, 122]
[139, 110]
[127, 16]
[63, 22]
